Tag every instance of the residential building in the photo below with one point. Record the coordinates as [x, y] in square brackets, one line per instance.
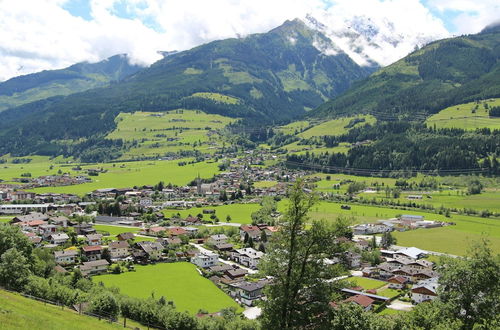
[119, 249]
[425, 290]
[217, 239]
[94, 239]
[59, 238]
[205, 260]
[94, 267]
[92, 253]
[66, 257]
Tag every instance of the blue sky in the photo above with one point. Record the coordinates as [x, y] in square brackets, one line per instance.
[49, 34]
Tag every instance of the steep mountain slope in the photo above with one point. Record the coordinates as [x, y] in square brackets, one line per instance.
[76, 78]
[444, 73]
[263, 77]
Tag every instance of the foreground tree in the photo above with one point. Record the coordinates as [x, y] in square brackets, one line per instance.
[470, 286]
[14, 270]
[302, 283]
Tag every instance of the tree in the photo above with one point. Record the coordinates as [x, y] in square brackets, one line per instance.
[264, 214]
[14, 269]
[301, 290]
[106, 254]
[387, 240]
[105, 304]
[43, 262]
[11, 236]
[470, 287]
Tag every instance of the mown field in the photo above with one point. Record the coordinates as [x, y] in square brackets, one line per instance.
[18, 312]
[337, 126]
[239, 213]
[178, 282]
[466, 116]
[118, 175]
[452, 239]
[157, 133]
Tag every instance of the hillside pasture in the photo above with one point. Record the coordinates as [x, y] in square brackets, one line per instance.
[239, 213]
[466, 116]
[178, 282]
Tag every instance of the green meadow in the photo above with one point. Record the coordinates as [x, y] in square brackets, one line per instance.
[239, 213]
[337, 126]
[454, 239]
[18, 312]
[179, 282]
[466, 116]
[157, 133]
[118, 175]
[366, 283]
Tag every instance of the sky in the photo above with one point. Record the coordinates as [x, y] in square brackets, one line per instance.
[40, 35]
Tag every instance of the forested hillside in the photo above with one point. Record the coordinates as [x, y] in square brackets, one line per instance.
[441, 74]
[266, 77]
[76, 78]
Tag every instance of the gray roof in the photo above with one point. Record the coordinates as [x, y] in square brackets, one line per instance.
[66, 253]
[430, 284]
[96, 263]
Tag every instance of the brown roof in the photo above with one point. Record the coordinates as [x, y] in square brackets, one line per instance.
[118, 244]
[92, 248]
[125, 236]
[361, 300]
[176, 231]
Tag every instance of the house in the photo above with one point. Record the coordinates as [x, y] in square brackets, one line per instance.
[119, 249]
[365, 302]
[59, 238]
[353, 259]
[247, 292]
[59, 221]
[176, 231]
[36, 240]
[247, 257]
[223, 246]
[171, 241]
[94, 267]
[205, 260]
[125, 236]
[66, 257]
[425, 290]
[191, 221]
[92, 253]
[252, 232]
[221, 268]
[411, 252]
[84, 229]
[47, 230]
[153, 250]
[191, 231]
[235, 273]
[217, 239]
[397, 282]
[94, 239]
[30, 217]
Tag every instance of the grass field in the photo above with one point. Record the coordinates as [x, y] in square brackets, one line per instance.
[240, 213]
[18, 312]
[462, 116]
[367, 283]
[115, 230]
[179, 282]
[336, 126]
[157, 133]
[138, 173]
[452, 239]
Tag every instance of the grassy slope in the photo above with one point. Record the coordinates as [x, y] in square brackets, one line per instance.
[186, 127]
[461, 116]
[126, 174]
[179, 282]
[17, 312]
[336, 126]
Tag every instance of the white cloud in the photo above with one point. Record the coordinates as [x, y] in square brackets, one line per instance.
[471, 16]
[39, 34]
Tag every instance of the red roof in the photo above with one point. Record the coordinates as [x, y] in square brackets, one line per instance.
[36, 223]
[157, 229]
[361, 300]
[177, 231]
[247, 228]
[398, 279]
[92, 248]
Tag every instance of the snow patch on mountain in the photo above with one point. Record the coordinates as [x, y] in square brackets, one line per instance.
[369, 41]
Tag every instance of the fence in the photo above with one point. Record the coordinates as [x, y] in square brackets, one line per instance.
[107, 317]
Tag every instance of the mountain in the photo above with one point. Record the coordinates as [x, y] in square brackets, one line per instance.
[443, 73]
[269, 77]
[76, 78]
[371, 40]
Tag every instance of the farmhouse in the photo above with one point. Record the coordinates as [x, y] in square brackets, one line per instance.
[66, 257]
[94, 267]
[119, 249]
[217, 239]
[59, 238]
[365, 302]
[425, 290]
[94, 239]
[92, 253]
[125, 236]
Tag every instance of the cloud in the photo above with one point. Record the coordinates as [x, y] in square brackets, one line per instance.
[40, 34]
[468, 16]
